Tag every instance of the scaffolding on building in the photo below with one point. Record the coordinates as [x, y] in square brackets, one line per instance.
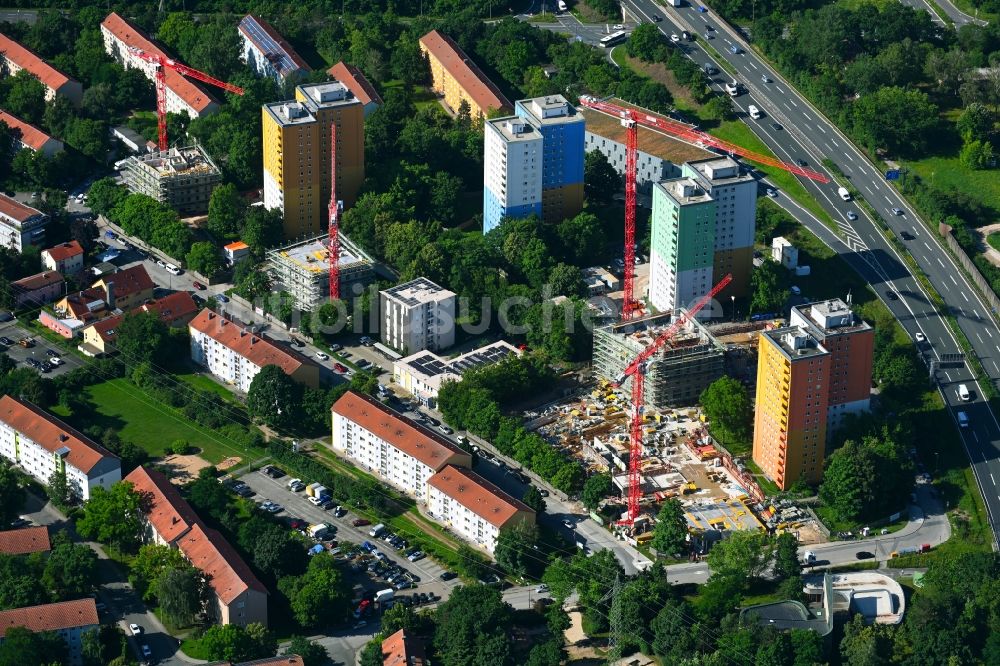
[182, 178]
[303, 268]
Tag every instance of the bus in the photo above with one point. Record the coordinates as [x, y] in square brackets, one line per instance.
[616, 37]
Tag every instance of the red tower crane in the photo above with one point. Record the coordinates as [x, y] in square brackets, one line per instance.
[631, 119]
[637, 371]
[334, 208]
[163, 63]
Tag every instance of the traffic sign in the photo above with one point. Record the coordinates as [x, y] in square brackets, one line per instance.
[892, 174]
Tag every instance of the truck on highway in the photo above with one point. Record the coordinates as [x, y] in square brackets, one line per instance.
[843, 193]
[733, 88]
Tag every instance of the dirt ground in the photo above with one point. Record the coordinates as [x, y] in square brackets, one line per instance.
[181, 469]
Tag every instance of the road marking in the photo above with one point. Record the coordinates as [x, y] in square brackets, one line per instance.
[965, 297]
[786, 106]
[975, 436]
[819, 127]
[750, 62]
[951, 276]
[928, 247]
[940, 262]
[779, 90]
[992, 479]
[835, 143]
[989, 333]
[792, 100]
[947, 376]
[974, 311]
[849, 157]
[981, 339]
[996, 366]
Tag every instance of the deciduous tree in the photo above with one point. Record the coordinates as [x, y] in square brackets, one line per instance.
[274, 398]
[113, 516]
[671, 530]
[729, 410]
[181, 592]
[600, 180]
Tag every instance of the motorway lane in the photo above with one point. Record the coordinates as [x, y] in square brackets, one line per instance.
[810, 136]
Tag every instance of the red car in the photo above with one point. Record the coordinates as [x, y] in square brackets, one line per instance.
[198, 285]
[340, 367]
[360, 522]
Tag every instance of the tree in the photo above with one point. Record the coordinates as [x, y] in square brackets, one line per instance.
[473, 627]
[320, 595]
[12, 495]
[20, 583]
[600, 180]
[864, 646]
[58, 489]
[105, 195]
[144, 338]
[113, 516]
[88, 136]
[226, 211]
[274, 398]
[729, 410]
[262, 229]
[152, 560]
[102, 645]
[896, 119]
[312, 654]
[204, 258]
[25, 97]
[181, 593]
[720, 107]
[976, 122]
[232, 642]
[769, 282]
[976, 154]
[70, 570]
[742, 556]
[549, 653]
[786, 556]
[596, 488]
[566, 280]
[646, 43]
[515, 546]
[671, 531]
[22, 646]
[533, 498]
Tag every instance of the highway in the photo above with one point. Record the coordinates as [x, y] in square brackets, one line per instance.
[805, 134]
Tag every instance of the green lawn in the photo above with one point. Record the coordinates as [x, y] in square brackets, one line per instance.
[206, 383]
[994, 240]
[948, 174]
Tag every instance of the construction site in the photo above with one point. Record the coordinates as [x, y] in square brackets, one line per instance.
[303, 270]
[182, 178]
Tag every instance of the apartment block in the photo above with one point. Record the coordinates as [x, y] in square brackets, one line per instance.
[682, 244]
[37, 289]
[182, 178]
[69, 620]
[14, 57]
[417, 315]
[359, 85]
[458, 79]
[67, 258]
[403, 649]
[512, 170]
[790, 417]
[267, 53]
[402, 452]
[20, 224]
[735, 195]
[472, 507]
[40, 444]
[183, 95]
[562, 128]
[26, 135]
[851, 343]
[25, 541]
[297, 154]
[235, 354]
[303, 270]
[424, 373]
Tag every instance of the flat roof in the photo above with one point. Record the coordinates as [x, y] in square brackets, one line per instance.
[652, 142]
[722, 163]
[806, 344]
[328, 94]
[178, 162]
[515, 129]
[433, 369]
[830, 317]
[550, 110]
[313, 255]
[289, 112]
[417, 291]
[685, 191]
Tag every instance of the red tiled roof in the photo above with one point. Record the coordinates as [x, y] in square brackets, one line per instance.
[274, 35]
[51, 617]
[127, 282]
[411, 438]
[16, 210]
[284, 660]
[107, 329]
[77, 303]
[64, 251]
[355, 80]
[192, 95]
[52, 434]
[258, 350]
[169, 514]
[172, 307]
[25, 59]
[402, 650]
[25, 540]
[37, 281]
[465, 72]
[210, 553]
[478, 495]
[31, 136]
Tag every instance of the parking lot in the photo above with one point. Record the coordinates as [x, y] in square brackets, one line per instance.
[14, 332]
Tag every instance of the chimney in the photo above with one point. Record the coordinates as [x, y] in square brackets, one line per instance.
[110, 297]
[63, 437]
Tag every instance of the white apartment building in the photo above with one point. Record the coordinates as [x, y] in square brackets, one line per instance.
[41, 444]
[512, 170]
[267, 53]
[67, 619]
[235, 354]
[21, 225]
[417, 315]
[473, 507]
[423, 374]
[402, 452]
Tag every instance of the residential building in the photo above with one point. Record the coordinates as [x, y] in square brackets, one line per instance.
[303, 270]
[403, 649]
[784, 252]
[70, 620]
[235, 354]
[182, 178]
[127, 289]
[67, 258]
[359, 85]
[297, 154]
[512, 170]
[70, 315]
[282, 660]
[458, 79]
[25, 541]
[28, 136]
[735, 195]
[42, 445]
[472, 507]
[682, 244]
[174, 310]
[402, 452]
[677, 373]
[239, 598]
[562, 128]
[182, 94]
[37, 289]
[422, 374]
[267, 53]
[20, 224]
[14, 57]
[851, 343]
[235, 252]
[417, 315]
[793, 390]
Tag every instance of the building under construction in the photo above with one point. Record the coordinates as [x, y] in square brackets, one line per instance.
[677, 374]
[182, 178]
[303, 270]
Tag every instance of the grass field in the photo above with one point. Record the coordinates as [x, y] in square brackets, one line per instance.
[994, 240]
[200, 381]
[947, 173]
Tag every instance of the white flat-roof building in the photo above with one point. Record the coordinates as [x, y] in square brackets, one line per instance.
[422, 374]
[303, 270]
[41, 444]
[418, 315]
[512, 170]
[784, 252]
[402, 452]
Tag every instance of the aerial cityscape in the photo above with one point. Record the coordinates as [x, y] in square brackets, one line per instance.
[499, 332]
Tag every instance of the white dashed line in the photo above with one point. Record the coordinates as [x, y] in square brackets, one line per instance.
[940, 262]
[992, 479]
[751, 64]
[951, 276]
[981, 339]
[929, 249]
[820, 128]
[996, 366]
[786, 106]
[989, 333]
[792, 100]
[975, 312]
[965, 297]
[850, 157]
[835, 143]
[779, 90]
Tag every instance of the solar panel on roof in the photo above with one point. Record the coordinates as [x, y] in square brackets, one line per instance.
[274, 52]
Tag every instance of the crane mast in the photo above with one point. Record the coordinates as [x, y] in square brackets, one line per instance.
[334, 207]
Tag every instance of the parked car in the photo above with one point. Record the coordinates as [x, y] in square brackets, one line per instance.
[198, 285]
[321, 356]
[340, 367]
[135, 629]
[360, 522]
[7, 341]
[449, 575]
[222, 298]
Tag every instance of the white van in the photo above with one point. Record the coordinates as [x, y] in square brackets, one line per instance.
[754, 112]
[733, 88]
[963, 393]
[173, 269]
[963, 420]
[844, 194]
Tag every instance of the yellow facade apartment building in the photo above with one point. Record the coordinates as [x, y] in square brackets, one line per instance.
[457, 78]
[296, 142]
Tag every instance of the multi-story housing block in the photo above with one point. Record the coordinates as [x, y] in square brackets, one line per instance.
[20, 224]
[458, 79]
[267, 53]
[67, 258]
[682, 245]
[562, 128]
[424, 373]
[402, 452]
[69, 620]
[37, 289]
[418, 315]
[14, 57]
[512, 170]
[182, 178]
[303, 270]
[42, 445]
[26, 135]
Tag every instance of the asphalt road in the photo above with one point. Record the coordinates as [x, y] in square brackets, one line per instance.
[809, 136]
[20, 355]
[959, 17]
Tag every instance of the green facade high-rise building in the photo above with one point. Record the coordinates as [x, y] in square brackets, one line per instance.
[683, 243]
